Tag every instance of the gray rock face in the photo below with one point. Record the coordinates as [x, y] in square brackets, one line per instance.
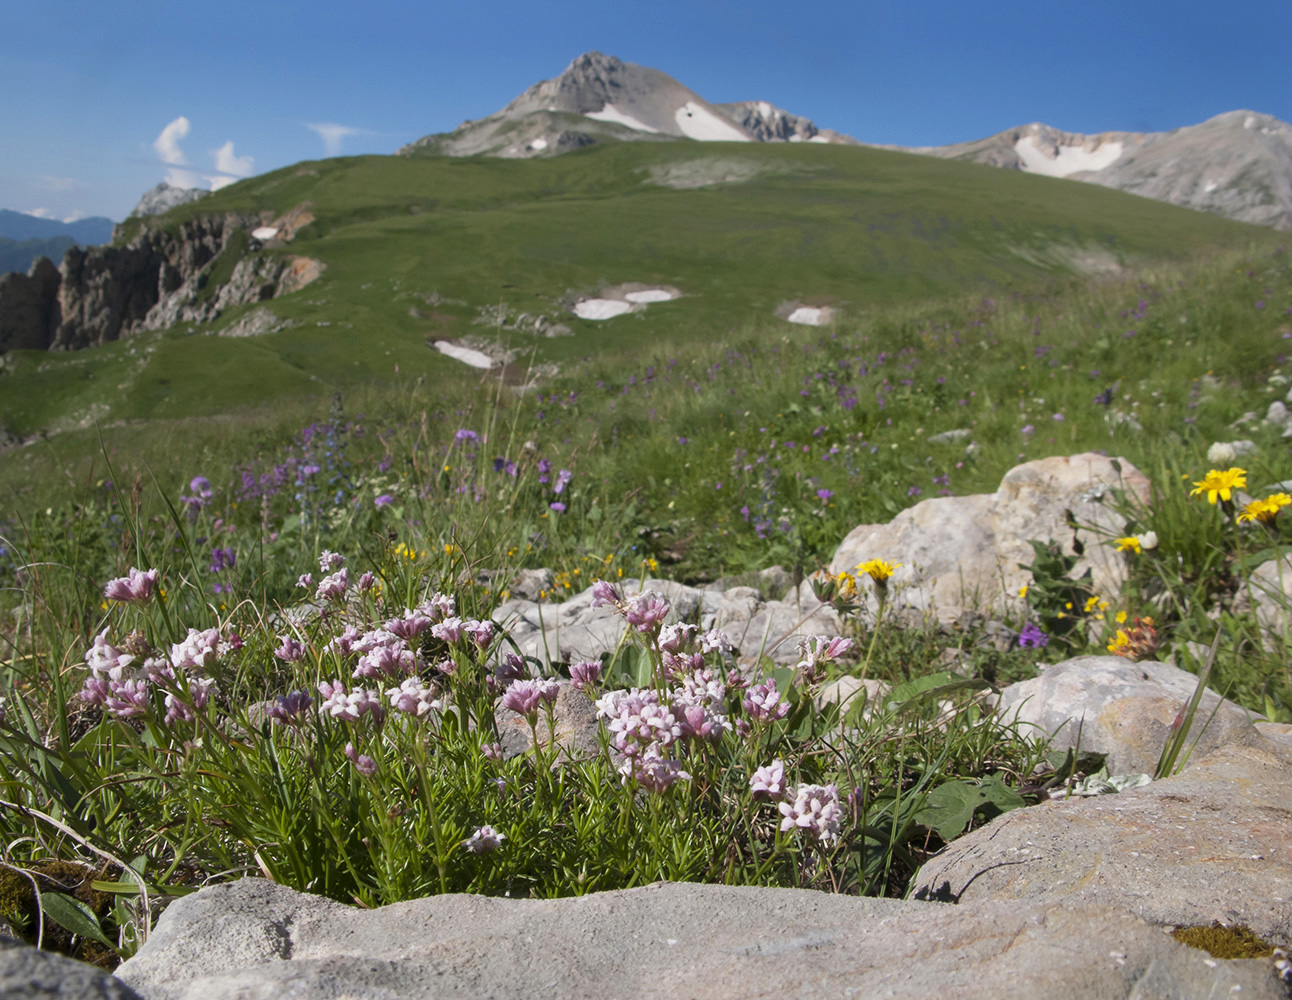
[163, 198]
[1237, 164]
[28, 317]
[107, 292]
[575, 727]
[966, 551]
[1123, 709]
[155, 281]
[254, 939]
[1210, 844]
[574, 630]
[28, 974]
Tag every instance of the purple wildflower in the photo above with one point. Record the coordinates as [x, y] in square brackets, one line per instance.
[1032, 637]
[290, 709]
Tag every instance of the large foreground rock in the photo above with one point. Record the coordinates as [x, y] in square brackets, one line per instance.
[28, 974]
[1212, 843]
[255, 940]
[1124, 709]
[966, 551]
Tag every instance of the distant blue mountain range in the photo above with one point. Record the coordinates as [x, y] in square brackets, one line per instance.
[23, 238]
[86, 232]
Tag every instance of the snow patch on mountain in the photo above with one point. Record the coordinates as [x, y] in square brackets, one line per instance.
[610, 113]
[698, 122]
[1066, 159]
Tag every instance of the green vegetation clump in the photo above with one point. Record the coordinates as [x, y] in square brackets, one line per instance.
[221, 268]
[71, 880]
[1224, 940]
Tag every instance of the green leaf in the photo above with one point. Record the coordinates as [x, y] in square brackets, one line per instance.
[132, 889]
[73, 915]
[931, 688]
[1068, 762]
[951, 807]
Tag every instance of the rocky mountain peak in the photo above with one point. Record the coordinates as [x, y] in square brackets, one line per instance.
[164, 197]
[600, 97]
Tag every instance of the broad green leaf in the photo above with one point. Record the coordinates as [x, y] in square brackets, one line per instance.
[73, 915]
[951, 807]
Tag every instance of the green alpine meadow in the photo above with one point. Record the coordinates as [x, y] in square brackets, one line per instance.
[264, 597]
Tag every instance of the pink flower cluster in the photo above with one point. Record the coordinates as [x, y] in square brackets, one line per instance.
[763, 703]
[814, 653]
[484, 840]
[814, 809]
[350, 706]
[525, 697]
[134, 588]
[125, 689]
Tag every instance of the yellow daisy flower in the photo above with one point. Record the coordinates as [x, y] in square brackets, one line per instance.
[1265, 510]
[1217, 484]
[879, 570]
[1128, 544]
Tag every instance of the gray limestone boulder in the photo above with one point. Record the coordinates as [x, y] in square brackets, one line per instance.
[575, 727]
[556, 632]
[28, 974]
[966, 551]
[254, 940]
[1212, 843]
[1124, 709]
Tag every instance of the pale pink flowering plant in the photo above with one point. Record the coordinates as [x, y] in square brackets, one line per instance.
[136, 587]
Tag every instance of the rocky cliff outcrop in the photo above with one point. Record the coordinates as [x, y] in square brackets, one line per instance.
[28, 316]
[160, 278]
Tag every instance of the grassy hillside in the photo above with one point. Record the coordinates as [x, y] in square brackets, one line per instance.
[421, 248]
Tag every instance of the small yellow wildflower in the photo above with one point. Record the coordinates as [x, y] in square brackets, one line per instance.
[1022, 591]
[1120, 646]
[1129, 544]
[1120, 618]
[1220, 484]
[1091, 604]
[847, 586]
[1265, 510]
[878, 570]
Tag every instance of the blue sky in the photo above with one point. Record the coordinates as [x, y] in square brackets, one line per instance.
[89, 88]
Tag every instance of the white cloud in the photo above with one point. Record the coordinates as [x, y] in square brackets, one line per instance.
[227, 163]
[220, 180]
[332, 134]
[74, 216]
[167, 144]
[178, 178]
[40, 213]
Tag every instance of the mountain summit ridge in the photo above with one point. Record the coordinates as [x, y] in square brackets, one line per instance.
[599, 97]
[1237, 164]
